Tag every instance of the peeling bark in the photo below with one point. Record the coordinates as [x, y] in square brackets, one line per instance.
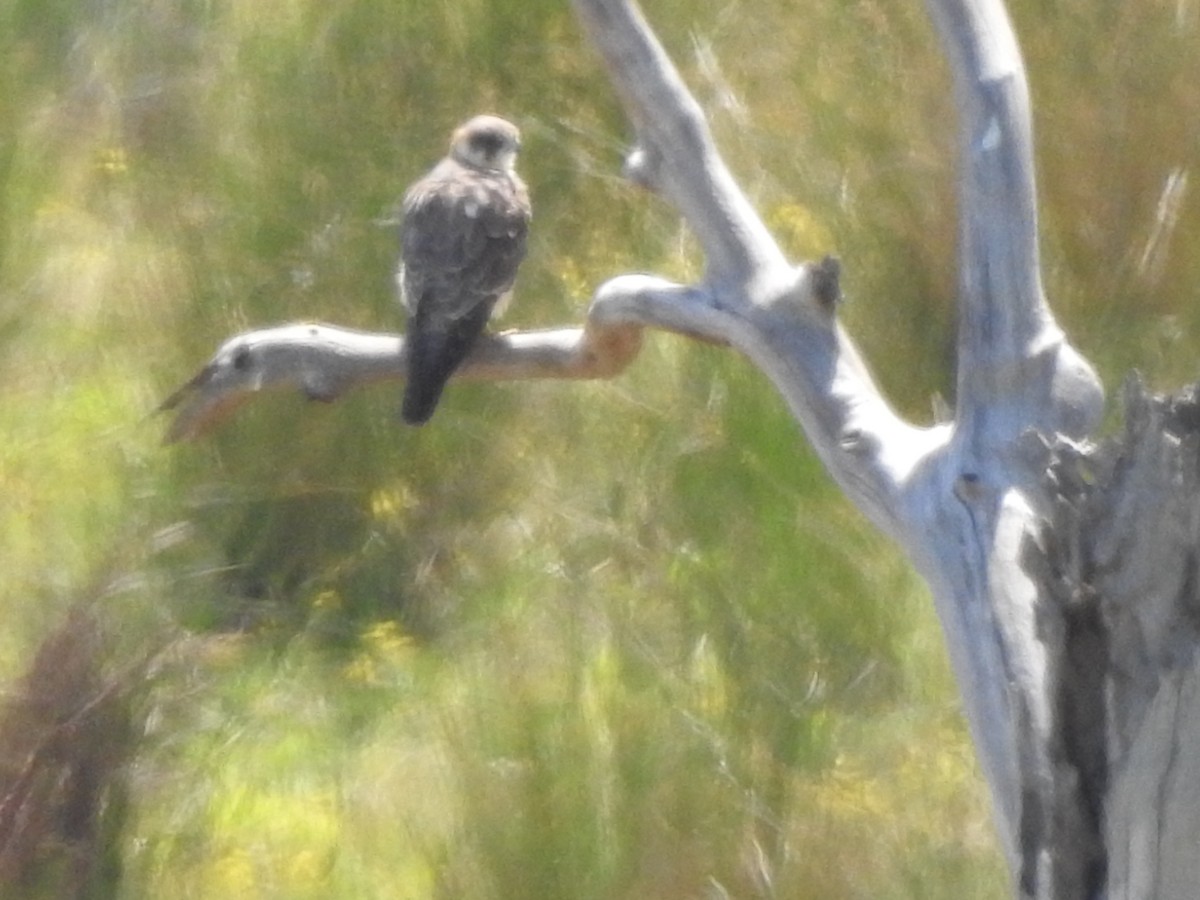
[1123, 567]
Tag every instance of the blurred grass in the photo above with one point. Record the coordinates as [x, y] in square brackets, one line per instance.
[602, 640]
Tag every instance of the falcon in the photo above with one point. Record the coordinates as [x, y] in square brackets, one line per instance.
[461, 241]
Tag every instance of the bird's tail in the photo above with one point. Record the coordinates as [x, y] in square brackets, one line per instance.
[429, 368]
[435, 350]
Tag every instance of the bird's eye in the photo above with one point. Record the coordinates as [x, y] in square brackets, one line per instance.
[488, 143]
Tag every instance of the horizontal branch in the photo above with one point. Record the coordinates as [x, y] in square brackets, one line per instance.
[324, 362]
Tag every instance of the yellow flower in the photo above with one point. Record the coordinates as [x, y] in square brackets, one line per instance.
[234, 873]
[113, 161]
[327, 601]
[388, 503]
[386, 640]
[798, 229]
[361, 669]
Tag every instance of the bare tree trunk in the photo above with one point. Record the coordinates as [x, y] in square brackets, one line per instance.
[1064, 574]
[1117, 567]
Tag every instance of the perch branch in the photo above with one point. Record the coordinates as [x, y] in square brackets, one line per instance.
[323, 362]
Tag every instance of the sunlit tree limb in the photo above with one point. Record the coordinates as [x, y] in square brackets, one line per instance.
[324, 362]
[1011, 352]
[675, 144]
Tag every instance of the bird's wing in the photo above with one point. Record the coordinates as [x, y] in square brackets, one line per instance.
[462, 238]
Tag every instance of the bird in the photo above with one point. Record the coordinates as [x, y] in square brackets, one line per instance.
[462, 239]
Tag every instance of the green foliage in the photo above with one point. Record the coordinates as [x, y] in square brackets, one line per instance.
[606, 640]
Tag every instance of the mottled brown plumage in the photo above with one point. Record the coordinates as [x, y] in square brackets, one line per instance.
[461, 242]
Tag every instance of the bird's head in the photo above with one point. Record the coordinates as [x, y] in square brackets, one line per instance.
[487, 142]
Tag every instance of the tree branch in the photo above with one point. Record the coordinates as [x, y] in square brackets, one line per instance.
[324, 362]
[780, 316]
[676, 154]
[1018, 377]
[1015, 369]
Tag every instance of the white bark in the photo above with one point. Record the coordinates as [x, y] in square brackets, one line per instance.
[1077, 673]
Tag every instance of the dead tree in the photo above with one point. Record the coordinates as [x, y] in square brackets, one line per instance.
[1064, 571]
